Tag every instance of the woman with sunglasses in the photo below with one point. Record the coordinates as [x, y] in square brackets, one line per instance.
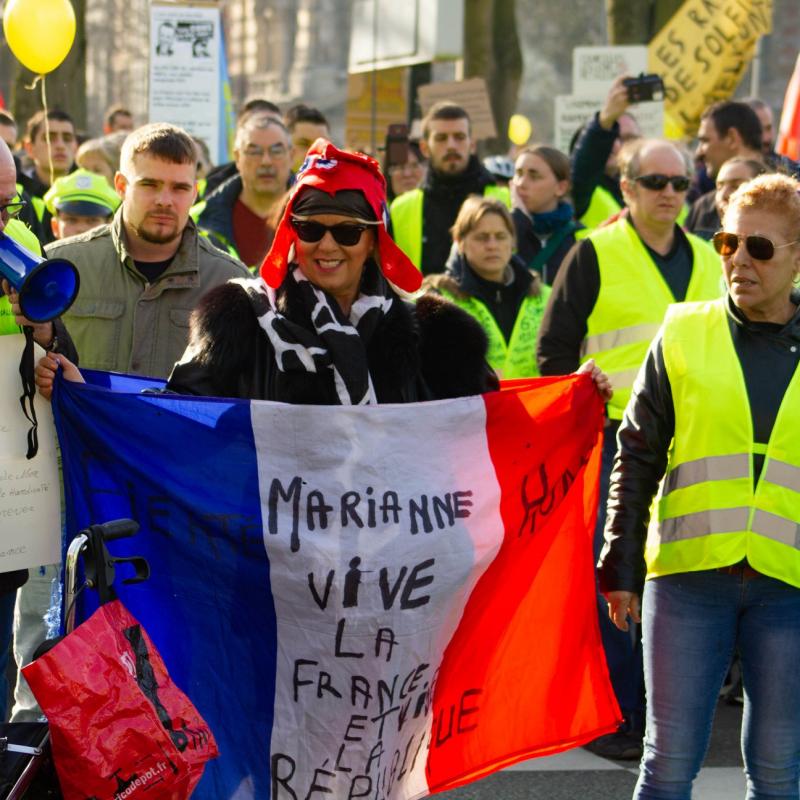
[715, 414]
[323, 324]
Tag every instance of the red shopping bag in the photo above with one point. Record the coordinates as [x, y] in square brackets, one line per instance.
[119, 726]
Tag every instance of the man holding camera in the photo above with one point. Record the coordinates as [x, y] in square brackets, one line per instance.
[596, 192]
[608, 300]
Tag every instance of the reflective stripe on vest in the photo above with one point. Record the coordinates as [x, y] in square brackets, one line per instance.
[517, 358]
[601, 206]
[406, 212]
[709, 512]
[632, 301]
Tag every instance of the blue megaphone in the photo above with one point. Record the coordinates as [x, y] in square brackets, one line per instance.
[46, 287]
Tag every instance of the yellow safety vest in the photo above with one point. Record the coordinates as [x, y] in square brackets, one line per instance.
[632, 302]
[602, 206]
[517, 357]
[710, 514]
[19, 232]
[406, 214]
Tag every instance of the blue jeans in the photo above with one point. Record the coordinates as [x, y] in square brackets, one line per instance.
[691, 625]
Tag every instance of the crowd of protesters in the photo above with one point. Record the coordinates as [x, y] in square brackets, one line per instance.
[535, 263]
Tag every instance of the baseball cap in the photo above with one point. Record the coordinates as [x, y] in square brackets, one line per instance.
[83, 193]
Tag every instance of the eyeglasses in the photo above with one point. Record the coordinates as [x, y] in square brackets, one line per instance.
[277, 150]
[11, 210]
[759, 247]
[345, 234]
[656, 182]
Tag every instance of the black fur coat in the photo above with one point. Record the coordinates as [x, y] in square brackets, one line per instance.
[428, 351]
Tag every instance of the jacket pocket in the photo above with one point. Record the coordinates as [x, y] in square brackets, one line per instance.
[95, 327]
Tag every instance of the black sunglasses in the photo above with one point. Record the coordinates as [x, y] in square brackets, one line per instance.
[11, 210]
[657, 182]
[759, 247]
[345, 234]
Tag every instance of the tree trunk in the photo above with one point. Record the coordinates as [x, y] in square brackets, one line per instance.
[65, 86]
[492, 51]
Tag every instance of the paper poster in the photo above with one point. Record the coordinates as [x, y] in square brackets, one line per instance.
[185, 43]
[30, 505]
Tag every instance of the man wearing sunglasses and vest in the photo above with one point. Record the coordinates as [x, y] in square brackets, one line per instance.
[607, 303]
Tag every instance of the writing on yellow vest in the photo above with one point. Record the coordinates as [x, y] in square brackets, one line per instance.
[632, 302]
[517, 357]
[711, 510]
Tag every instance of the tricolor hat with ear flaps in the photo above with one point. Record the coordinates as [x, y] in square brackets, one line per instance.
[332, 170]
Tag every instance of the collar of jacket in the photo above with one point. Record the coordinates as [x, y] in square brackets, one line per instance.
[185, 261]
[460, 280]
[790, 331]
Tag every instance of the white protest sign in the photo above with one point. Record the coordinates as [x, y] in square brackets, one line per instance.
[184, 85]
[30, 509]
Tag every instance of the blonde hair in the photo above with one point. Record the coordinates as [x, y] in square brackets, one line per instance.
[473, 210]
[772, 193]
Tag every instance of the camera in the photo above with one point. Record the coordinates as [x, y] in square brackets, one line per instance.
[644, 87]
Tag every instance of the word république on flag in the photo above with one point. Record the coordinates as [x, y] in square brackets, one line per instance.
[382, 601]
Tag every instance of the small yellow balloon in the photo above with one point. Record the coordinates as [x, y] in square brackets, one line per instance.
[39, 32]
[519, 129]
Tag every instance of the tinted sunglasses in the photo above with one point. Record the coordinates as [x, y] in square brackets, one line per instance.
[759, 247]
[345, 234]
[657, 182]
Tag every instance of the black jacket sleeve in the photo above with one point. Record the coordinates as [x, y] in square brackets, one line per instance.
[643, 441]
[588, 162]
[563, 328]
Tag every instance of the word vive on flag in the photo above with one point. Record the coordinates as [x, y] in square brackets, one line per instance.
[376, 602]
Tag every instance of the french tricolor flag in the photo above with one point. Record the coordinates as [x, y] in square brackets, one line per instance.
[377, 602]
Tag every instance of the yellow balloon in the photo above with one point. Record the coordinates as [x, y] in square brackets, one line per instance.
[39, 32]
[519, 129]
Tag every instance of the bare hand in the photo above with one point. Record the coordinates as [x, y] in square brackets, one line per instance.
[46, 369]
[616, 104]
[601, 380]
[621, 605]
[43, 332]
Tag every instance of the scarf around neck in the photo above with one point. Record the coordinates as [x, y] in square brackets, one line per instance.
[332, 342]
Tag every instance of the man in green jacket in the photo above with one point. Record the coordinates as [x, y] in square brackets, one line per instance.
[142, 275]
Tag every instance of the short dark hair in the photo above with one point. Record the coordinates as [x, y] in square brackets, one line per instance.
[443, 110]
[6, 118]
[36, 122]
[304, 113]
[116, 111]
[727, 114]
[160, 140]
[257, 104]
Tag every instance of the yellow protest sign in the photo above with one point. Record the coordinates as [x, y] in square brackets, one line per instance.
[702, 53]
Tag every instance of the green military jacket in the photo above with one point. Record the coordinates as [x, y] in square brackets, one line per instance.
[122, 323]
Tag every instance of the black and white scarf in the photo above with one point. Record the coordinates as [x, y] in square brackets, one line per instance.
[336, 343]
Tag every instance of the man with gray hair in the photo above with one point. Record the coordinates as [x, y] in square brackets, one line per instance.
[608, 301]
[236, 215]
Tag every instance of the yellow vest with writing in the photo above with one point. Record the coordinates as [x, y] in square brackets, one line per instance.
[632, 302]
[517, 357]
[406, 214]
[710, 513]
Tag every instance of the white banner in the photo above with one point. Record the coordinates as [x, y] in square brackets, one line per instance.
[30, 510]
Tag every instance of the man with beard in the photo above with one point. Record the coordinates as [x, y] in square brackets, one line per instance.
[143, 273]
[235, 216]
[422, 218]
